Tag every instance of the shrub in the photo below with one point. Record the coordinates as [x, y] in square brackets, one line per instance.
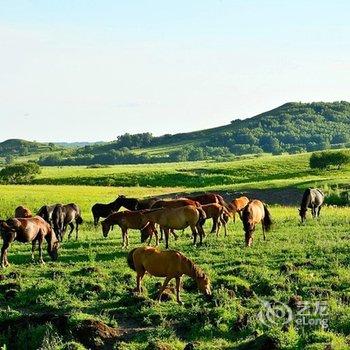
[327, 159]
[19, 173]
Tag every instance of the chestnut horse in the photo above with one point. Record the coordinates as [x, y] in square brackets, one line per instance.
[23, 212]
[237, 205]
[129, 220]
[178, 218]
[34, 229]
[210, 198]
[217, 212]
[255, 212]
[173, 203]
[169, 264]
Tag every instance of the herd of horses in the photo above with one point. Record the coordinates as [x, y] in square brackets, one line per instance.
[148, 216]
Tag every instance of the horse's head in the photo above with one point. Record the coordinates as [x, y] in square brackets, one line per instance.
[105, 228]
[53, 252]
[203, 284]
[146, 232]
[302, 213]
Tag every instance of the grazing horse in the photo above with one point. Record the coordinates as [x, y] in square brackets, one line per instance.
[129, 220]
[23, 212]
[46, 212]
[64, 215]
[169, 264]
[217, 212]
[312, 198]
[210, 198]
[34, 229]
[253, 213]
[178, 218]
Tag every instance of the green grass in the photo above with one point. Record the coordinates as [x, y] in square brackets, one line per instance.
[247, 173]
[92, 280]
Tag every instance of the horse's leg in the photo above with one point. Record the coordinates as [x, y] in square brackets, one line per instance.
[162, 288]
[40, 241]
[76, 231]
[161, 233]
[8, 239]
[139, 277]
[194, 234]
[224, 224]
[71, 225]
[127, 238]
[178, 282]
[318, 211]
[218, 226]
[201, 234]
[4, 248]
[33, 249]
[214, 228]
[96, 219]
[123, 236]
[166, 236]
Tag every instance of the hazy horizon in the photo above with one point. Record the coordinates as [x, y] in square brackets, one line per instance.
[87, 71]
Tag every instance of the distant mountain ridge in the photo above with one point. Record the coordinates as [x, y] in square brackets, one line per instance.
[292, 127]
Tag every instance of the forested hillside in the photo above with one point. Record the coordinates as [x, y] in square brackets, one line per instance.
[292, 127]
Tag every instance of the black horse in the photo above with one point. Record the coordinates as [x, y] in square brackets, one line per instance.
[46, 212]
[313, 198]
[64, 215]
[100, 210]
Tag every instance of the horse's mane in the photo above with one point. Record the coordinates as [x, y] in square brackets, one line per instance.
[195, 271]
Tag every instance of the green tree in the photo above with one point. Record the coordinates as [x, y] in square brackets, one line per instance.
[19, 173]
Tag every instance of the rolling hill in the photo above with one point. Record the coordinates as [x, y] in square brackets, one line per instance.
[291, 128]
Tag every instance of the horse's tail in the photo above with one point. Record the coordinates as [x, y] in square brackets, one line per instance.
[267, 221]
[202, 216]
[130, 259]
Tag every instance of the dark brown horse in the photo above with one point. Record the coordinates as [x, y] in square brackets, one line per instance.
[34, 230]
[100, 210]
[130, 220]
[64, 215]
[253, 213]
[46, 212]
[23, 212]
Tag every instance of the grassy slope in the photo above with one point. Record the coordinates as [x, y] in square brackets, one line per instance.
[262, 172]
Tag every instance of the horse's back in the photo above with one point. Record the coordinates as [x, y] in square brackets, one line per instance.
[254, 210]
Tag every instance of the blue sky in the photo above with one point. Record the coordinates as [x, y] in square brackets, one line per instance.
[92, 70]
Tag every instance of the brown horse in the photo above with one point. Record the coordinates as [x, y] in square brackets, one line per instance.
[169, 264]
[237, 205]
[34, 229]
[217, 212]
[179, 218]
[255, 212]
[23, 212]
[173, 203]
[129, 220]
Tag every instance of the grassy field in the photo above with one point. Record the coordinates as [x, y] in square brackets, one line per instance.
[47, 306]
